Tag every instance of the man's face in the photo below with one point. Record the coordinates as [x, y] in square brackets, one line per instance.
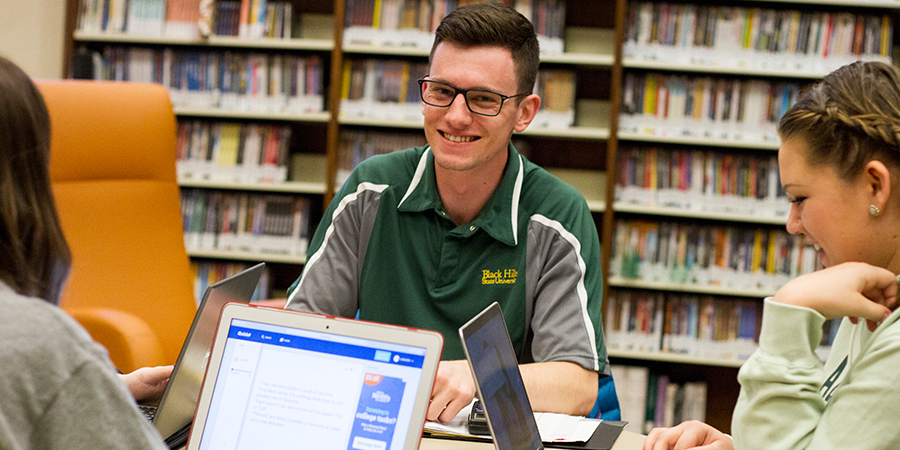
[460, 139]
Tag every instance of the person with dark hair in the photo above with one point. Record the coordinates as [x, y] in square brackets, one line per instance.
[59, 389]
[839, 157]
[429, 236]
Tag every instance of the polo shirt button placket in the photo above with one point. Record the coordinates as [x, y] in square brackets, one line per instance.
[472, 228]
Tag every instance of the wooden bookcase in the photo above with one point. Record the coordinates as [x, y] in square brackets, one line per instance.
[585, 155]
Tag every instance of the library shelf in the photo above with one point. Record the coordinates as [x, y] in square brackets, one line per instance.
[211, 41]
[697, 141]
[572, 58]
[884, 4]
[247, 256]
[637, 63]
[674, 358]
[292, 187]
[687, 288]
[591, 184]
[669, 211]
[212, 113]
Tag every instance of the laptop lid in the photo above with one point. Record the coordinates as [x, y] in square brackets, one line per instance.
[176, 408]
[485, 340]
[280, 379]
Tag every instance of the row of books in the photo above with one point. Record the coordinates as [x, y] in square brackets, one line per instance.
[744, 110]
[651, 399]
[701, 180]
[701, 326]
[170, 18]
[207, 272]
[232, 152]
[556, 87]
[187, 19]
[237, 221]
[388, 90]
[382, 89]
[412, 23]
[761, 38]
[731, 257]
[254, 19]
[228, 80]
[354, 146]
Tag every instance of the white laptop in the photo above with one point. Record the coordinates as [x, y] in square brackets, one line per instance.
[176, 408]
[282, 379]
[485, 340]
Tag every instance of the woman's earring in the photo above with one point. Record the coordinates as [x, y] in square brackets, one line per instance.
[874, 211]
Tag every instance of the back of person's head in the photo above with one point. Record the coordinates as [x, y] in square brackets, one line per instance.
[849, 118]
[496, 25]
[34, 256]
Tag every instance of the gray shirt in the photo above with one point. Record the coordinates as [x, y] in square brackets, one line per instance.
[59, 389]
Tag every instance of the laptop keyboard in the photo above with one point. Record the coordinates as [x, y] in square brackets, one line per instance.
[148, 411]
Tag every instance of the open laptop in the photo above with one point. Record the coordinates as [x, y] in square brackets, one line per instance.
[282, 379]
[485, 340]
[176, 408]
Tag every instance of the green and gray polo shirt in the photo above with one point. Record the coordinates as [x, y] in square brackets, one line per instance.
[387, 248]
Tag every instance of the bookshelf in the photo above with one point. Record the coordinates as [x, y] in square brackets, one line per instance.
[740, 82]
[594, 41]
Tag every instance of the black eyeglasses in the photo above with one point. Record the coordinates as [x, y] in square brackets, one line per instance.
[479, 101]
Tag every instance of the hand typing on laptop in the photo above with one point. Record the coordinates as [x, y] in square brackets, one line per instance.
[453, 390]
[147, 384]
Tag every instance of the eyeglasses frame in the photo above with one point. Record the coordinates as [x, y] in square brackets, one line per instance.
[465, 92]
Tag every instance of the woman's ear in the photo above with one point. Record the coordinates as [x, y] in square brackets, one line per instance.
[878, 181]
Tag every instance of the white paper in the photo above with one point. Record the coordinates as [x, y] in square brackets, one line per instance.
[553, 427]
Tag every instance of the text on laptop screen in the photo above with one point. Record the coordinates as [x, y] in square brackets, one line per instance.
[279, 387]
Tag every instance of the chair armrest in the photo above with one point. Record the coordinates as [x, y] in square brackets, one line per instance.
[130, 341]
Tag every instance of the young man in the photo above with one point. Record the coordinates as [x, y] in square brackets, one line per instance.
[428, 237]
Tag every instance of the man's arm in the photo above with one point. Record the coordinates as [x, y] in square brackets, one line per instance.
[568, 289]
[555, 386]
[330, 280]
[560, 386]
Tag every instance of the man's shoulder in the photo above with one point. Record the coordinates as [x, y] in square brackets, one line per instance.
[388, 168]
[543, 192]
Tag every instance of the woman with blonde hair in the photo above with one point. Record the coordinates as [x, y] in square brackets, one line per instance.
[839, 162]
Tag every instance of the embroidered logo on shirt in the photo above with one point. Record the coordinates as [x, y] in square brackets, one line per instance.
[505, 276]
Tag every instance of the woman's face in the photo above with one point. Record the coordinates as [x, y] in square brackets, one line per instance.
[831, 213]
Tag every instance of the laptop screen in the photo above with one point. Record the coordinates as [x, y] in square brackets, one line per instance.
[279, 386]
[499, 382]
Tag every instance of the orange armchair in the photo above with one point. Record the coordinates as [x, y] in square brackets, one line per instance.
[112, 166]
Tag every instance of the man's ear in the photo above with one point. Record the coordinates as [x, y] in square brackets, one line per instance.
[528, 108]
[878, 182]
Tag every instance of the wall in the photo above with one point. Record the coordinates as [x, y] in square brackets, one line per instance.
[31, 35]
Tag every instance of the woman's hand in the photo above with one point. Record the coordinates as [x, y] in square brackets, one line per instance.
[854, 289]
[148, 384]
[688, 435]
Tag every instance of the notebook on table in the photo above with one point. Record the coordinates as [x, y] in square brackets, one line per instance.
[282, 379]
[485, 341]
[176, 408]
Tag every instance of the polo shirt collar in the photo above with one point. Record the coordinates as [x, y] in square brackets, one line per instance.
[500, 215]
